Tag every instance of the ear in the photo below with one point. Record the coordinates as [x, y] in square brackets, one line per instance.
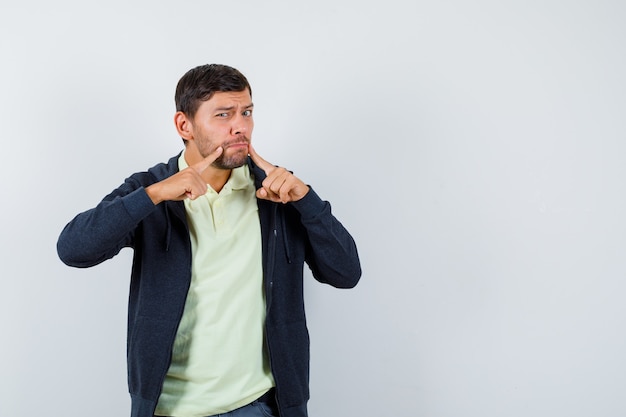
[183, 125]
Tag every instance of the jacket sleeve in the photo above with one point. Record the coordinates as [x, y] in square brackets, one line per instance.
[100, 233]
[332, 255]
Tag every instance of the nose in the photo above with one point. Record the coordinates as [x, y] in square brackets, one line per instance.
[241, 125]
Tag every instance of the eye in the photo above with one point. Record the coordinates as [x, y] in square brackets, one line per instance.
[247, 113]
[222, 115]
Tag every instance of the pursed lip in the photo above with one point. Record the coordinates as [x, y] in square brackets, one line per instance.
[236, 145]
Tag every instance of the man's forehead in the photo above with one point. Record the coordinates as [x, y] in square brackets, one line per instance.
[241, 97]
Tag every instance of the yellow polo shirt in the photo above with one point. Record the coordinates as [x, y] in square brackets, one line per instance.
[219, 362]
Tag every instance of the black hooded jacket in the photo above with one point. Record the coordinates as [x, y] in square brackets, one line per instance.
[292, 234]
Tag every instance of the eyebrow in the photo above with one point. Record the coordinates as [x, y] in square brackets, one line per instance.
[249, 106]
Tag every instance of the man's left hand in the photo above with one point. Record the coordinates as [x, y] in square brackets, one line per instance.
[280, 185]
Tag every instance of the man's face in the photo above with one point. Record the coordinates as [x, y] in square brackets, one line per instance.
[224, 120]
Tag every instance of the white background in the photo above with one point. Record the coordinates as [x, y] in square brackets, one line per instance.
[475, 150]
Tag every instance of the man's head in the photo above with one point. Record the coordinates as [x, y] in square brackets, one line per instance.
[213, 109]
[200, 83]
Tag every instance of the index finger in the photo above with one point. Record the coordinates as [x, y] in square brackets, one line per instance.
[206, 162]
[260, 162]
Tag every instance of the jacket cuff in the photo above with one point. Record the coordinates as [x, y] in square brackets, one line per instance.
[310, 205]
[138, 204]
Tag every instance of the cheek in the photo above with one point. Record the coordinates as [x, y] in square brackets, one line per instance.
[212, 133]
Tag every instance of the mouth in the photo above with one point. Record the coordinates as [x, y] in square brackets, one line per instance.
[236, 145]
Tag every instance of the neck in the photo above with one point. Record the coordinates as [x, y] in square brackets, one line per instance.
[215, 177]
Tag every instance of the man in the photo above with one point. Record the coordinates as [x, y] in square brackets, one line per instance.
[216, 322]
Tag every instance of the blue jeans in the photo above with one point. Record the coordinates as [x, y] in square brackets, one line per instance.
[255, 409]
[263, 407]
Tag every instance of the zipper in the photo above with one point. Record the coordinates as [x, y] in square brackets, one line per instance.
[271, 256]
[269, 288]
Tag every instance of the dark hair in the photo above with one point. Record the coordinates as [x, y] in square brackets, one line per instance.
[200, 83]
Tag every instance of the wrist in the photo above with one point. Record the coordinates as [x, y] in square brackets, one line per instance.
[153, 193]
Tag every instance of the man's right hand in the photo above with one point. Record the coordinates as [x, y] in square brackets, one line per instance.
[187, 183]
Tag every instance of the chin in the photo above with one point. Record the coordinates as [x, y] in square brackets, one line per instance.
[231, 162]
